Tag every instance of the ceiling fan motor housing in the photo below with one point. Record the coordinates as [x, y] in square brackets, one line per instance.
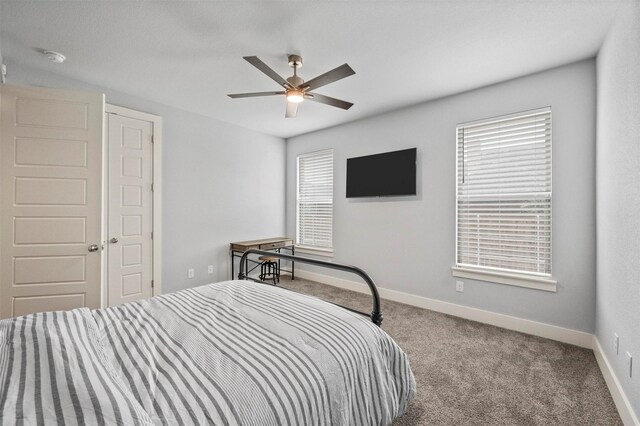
[295, 81]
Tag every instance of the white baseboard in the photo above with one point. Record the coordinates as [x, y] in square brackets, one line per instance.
[566, 335]
[623, 405]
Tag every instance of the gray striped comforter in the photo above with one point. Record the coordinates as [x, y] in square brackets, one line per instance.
[233, 353]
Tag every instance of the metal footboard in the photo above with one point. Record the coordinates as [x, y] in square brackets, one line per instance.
[376, 314]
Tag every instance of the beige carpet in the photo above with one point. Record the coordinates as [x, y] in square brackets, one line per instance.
[469, 373]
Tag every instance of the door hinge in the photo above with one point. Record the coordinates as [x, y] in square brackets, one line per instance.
[152, 284]
[153, 139]
[152, 235]
[151, 187]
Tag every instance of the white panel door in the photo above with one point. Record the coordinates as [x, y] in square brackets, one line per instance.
[51, 199]
[130, 210]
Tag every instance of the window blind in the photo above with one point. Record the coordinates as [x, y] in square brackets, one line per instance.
[315, 200]
[503, 200]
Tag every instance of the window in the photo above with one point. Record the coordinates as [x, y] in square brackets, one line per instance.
[315, 201]
[503, 199]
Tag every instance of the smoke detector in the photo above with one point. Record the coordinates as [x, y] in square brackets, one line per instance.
[56, 57]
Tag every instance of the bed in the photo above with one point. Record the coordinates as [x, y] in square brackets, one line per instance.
[229, 353]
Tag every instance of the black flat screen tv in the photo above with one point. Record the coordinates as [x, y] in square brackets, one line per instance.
[382, 175]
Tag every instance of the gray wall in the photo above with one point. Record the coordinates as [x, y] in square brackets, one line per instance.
[407, 244]
[618, 197]
[1, 38]
[214, 191]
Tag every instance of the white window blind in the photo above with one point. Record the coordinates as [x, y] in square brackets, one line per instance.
[504, 194]
[315, 200]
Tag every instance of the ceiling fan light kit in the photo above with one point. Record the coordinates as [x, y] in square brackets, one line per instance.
[295, 95]
[296, 89]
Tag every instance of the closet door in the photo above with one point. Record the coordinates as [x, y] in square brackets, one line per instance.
[50, 197]
[130, 205]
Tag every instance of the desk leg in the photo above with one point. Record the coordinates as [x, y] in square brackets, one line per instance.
[232, 259]
[279, 264]
[293, 263]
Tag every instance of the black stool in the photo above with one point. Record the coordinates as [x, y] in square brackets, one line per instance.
[269, 269]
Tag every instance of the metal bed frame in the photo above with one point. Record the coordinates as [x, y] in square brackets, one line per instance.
[376, 314]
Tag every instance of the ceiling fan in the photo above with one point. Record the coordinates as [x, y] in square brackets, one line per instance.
[296, 89]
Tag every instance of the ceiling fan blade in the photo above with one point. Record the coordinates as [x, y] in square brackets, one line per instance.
[253, 60]
[329, 77]
[329, 100]
[256, 94]
[292, 110]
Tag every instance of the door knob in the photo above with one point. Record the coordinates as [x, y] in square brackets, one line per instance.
[114, 240]
[93, 247]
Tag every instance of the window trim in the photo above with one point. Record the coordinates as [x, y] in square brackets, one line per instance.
[494, 275]
[314, 250]
[515, 279]
[321, 251]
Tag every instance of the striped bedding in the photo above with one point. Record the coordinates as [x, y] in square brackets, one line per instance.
[230, 353]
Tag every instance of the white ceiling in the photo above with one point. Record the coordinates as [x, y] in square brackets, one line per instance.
[189, 54]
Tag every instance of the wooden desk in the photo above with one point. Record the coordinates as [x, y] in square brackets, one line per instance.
[275, 244]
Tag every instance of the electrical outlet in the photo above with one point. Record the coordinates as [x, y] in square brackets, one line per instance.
[210, 269]
[616, 343]
[460, 286]
[630, 364]
[191, 273]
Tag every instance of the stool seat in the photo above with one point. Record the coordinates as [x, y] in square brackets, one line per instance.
[268, 258]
